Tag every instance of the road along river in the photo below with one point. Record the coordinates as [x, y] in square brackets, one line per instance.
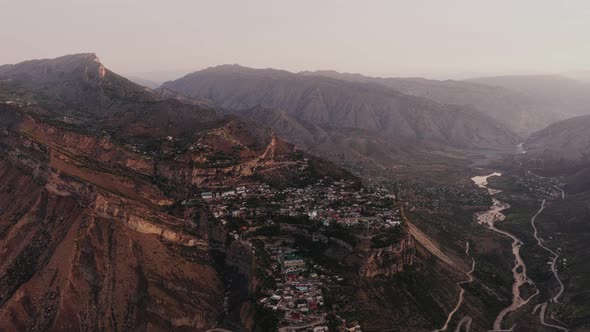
[553, 261]
[489, 218]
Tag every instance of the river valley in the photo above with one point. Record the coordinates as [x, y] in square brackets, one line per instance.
[519, 271]
[489, 219]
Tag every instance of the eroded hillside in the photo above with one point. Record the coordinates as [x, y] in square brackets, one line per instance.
[95, 234]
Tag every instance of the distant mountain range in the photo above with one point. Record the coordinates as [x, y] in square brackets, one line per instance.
[581, 75]
[523, 103]
[353, 118]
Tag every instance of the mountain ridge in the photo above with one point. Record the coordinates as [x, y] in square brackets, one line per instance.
[513, 107]
[327, 101]
[563, 147]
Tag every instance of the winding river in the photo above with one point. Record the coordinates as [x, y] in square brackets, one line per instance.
[519, 271]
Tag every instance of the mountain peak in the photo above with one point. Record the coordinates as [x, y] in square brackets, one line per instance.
[239, 69]
[85, 65]
[79, 79]
[229, 66]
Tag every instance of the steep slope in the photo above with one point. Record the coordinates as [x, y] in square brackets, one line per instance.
[93, 232]
[79, 80]
[143, 82]
[83, 66]
[562, 148]
[559, 95]
[518, 110]
[86, 241]
[297, 131]
[317, 111]
[164, 94]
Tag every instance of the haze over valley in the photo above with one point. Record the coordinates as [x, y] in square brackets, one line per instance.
[330, 166]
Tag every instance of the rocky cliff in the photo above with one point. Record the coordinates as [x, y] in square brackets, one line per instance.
[94, 171]
[389, 261]
[86, 247]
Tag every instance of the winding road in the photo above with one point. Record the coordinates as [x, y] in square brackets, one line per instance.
[542, 312]
[554, 257]
[469, 275]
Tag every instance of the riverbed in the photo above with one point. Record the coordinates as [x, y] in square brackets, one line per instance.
[489, 219]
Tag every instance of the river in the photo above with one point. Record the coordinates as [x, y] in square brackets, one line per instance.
[519, 271]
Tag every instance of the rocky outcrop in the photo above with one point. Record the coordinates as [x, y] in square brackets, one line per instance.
[88, 246]
[240, 256]
[389, 261]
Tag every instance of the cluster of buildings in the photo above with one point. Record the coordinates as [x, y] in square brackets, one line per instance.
[296, 293]
[326, 202]
[17, 101]
[439, 198]
[238, 192]
[298, 297]
[549, 188]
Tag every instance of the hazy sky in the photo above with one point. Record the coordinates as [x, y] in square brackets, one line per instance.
[389, 37]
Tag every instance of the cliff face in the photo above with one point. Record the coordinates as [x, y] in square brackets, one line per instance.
[242, 284]
[92, 237]
[389, 261]
[85, 248]
[78, 79]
